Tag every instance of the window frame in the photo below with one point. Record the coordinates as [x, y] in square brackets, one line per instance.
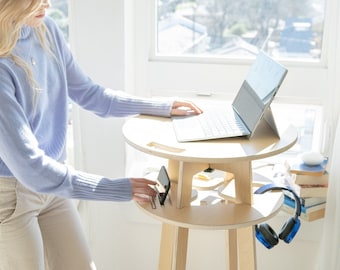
[302, 84]
[230, 59]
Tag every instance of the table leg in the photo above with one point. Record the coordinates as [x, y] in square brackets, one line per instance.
[246, 248]
[241, 253]
[232, 248]
[173, 250]
[166, 248]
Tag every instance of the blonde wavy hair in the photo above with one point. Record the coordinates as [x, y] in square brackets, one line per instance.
[13, 16]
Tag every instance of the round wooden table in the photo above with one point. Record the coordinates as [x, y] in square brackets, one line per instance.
[155, 136]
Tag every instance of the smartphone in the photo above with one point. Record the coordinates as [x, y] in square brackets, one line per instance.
[163, 185]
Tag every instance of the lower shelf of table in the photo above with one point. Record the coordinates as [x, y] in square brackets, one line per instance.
[220, 216]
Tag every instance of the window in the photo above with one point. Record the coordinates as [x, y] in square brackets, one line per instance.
[227, 28]
[59, 12]
[171, 59]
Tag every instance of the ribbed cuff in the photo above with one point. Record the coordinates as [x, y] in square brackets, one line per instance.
[93, 187]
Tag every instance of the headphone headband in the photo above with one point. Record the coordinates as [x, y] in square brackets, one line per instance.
[269, 187]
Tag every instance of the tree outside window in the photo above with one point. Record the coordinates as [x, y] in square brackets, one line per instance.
[234, 28]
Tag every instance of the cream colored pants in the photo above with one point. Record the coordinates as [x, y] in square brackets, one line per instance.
[39, 232]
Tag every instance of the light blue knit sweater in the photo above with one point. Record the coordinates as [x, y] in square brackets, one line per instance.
[32, 140]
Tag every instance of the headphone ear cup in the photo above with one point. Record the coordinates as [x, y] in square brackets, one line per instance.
[289, 229]
[266, 235]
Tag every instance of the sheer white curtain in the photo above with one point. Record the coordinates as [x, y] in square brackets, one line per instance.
[329, 254]
[330, 245]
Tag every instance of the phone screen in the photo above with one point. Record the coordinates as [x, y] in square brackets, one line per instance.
[163, 185]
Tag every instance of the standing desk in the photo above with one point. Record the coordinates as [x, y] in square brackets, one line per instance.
[155, 136]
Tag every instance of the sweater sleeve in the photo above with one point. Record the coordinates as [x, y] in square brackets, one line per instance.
[106, 102]
[21, 157]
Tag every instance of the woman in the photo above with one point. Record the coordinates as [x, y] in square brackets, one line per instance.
[39, 228]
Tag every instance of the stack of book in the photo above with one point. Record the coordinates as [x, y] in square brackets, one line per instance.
[311, 184]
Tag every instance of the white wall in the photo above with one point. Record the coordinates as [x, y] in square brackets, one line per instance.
[98, 44]
[121, 237]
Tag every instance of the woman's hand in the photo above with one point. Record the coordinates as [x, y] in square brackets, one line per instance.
[142, 189]
[182, 107]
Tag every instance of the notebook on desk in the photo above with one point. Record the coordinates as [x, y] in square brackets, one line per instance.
[242, 116]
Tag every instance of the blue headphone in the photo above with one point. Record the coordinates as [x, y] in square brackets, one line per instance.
[265, 234]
